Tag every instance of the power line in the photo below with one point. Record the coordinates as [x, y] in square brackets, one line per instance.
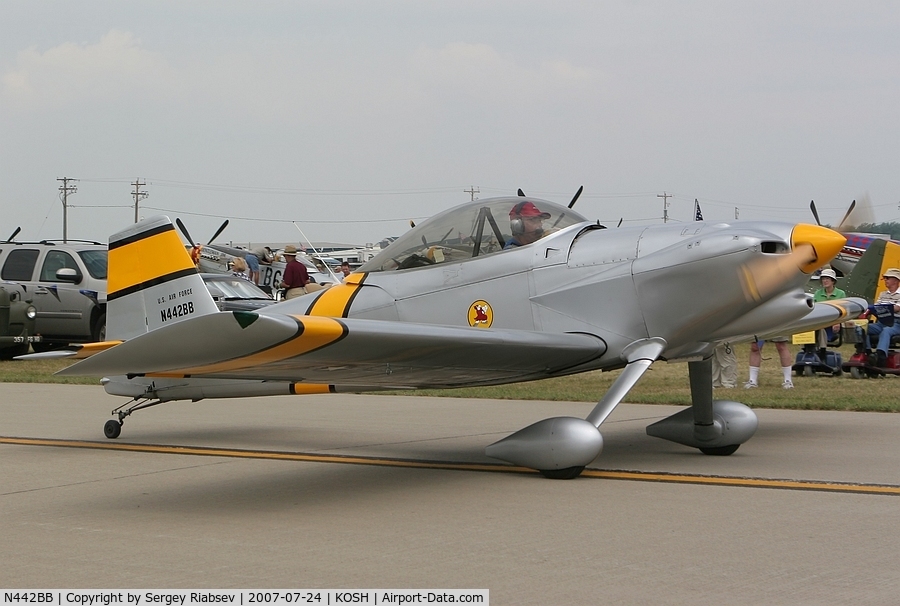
[260, 220]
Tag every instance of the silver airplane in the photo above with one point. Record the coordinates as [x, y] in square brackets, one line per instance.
[490, 292]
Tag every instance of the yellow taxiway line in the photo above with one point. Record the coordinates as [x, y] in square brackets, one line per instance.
[637, 476]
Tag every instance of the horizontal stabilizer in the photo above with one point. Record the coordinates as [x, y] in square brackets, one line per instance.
[80, 351]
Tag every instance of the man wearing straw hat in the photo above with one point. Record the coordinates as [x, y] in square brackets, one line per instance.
[295, 276]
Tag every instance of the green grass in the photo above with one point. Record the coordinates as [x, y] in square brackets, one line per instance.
[662, 384]
[668, 384]
[39, 371]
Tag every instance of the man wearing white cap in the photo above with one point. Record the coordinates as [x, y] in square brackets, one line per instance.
[889, 297]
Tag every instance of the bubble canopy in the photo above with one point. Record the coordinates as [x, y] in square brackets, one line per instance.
[474, 229]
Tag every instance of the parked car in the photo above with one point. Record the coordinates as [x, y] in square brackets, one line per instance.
[232, 293]
[66, 282]
[16, 321]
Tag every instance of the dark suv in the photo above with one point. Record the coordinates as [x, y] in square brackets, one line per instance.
[66, 283]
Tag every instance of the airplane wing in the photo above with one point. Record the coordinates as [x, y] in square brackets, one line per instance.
[342, 351]
[824, 313]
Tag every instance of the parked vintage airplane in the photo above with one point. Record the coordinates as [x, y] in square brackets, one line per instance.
[490, 292]
[215, 259]
[857, 242]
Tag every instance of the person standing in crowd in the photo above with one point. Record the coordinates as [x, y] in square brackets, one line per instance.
[345, 269]
[784, 354]
[264, 255]
[295, 276]
[238, 268]
[724, 366]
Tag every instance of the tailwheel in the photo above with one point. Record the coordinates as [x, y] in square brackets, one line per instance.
[112, 429]
[562, 474]
[719, 451]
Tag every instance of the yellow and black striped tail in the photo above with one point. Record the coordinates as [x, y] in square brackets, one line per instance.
[152, 281]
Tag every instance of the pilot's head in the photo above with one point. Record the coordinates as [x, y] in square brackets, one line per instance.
[526, 222]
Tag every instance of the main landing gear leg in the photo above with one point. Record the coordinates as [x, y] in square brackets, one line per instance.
[715, 427]
[113, 427]
[560, 447]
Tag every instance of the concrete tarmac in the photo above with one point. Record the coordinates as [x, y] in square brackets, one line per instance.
[73, 517]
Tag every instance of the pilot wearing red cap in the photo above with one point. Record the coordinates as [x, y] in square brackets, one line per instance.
[527, 224]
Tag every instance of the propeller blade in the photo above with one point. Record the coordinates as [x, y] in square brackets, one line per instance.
[766, 276]
[184, 231]
[220, 230]
[812, 207]
[860, 213]
[575, 199]
[14, 234]
[521, 193]
[846, 216]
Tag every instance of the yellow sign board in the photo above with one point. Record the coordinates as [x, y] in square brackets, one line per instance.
[804, 338]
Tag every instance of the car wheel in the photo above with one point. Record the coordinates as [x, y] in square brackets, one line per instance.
[42, 347]
[11, 352]
[99, 331]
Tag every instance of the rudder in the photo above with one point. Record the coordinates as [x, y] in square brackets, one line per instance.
[152, 281]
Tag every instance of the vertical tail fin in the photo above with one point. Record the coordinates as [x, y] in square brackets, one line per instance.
[151, 280]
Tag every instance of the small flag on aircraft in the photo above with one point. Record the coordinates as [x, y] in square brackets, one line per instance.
[698, 216]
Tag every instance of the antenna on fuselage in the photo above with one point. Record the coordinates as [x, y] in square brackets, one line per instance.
[318, 254]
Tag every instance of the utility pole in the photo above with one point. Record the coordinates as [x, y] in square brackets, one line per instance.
[138, 196]
[665, 198]
[66, 189]
[472, 191]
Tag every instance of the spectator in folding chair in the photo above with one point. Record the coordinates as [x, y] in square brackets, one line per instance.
[886, 308]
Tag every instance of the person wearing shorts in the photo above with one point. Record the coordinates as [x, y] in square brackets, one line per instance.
[784, 354]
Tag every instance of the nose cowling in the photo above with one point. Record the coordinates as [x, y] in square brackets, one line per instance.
[826, 244]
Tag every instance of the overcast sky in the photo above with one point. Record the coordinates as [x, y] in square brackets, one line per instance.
[353, 117]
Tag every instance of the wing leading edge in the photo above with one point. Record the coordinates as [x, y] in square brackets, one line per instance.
[343, 351]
